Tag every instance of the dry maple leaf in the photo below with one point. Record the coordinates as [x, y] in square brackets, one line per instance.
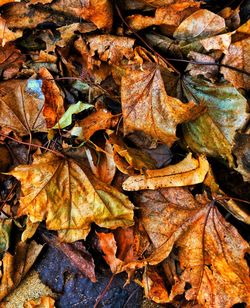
[111, 48]
[57, 190]
[21, 103]
[238, 56]
[211, 251]
[200, 24]
[170, 16]
[16, 267]
[53, 108]
[147, 107]
[189, 171]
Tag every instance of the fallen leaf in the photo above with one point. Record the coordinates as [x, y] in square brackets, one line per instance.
[21, 103]
[42, 302]
[188, 172]
[218, 42]
[213, 132]
[11, 61]
[102, 163]
[2, 2]
[68, 199]
[170, 16]
[6, 34]
[16, 267]
[215, 270]
[66, 118]
[76, 253]
[53, 108]
[111, 48]
[147, 107]
[98, 120]
[200, 24]
[153, 285]
[238, 57]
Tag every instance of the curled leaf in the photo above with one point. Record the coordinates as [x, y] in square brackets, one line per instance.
[188, 172]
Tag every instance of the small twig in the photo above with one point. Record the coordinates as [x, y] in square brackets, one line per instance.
[32, 144]
[100, 297]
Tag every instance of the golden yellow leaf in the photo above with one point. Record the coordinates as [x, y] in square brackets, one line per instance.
[59, 191]
[189, 171]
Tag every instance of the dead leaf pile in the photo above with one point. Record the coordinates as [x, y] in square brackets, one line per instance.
[124, 130]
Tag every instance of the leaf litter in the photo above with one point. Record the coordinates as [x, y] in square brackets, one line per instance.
[124, 132]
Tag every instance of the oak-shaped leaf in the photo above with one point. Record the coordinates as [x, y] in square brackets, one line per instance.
[21, 103]
[59, 191]
[147, 107]
[213, 133]
[189, 171]
[210, 250]
[16, 266]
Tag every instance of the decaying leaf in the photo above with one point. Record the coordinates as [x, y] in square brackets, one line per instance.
[16, 267]
[170, 16]
[111, 48]
[21, 103]
[215, 269]
[200, 24]
[5, 229]
[53, 108]
[241, 151]
[238, 56]
[6, 35]
[189, 171]
[213, 133]
[147, 107]
[58, 190]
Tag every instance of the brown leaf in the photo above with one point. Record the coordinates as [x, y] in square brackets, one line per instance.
[16, 267]
[6, 35]
[147, 107]
[77, 255]
[238, 56]
[57, 190]
[241, 151]
[99, 120]
[111, 48]
[188, 172]
[11, 61]
[153, 285]
[53, 108]
[42, 302]
[21, 103]
[170, 16]
[218, 42]
[200, 24]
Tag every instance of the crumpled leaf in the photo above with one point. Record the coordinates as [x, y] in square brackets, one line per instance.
[16, 267]
[66, 118]
[213, 132]
[21, 103]
[53, 108]
[200, 24]
[238, 56]
[218, 42]
[111, 48]
[189, 171]
[170, 16]
[42, 302]
[98, 120]
[147, 107]
[59, 191]
[210, 263]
